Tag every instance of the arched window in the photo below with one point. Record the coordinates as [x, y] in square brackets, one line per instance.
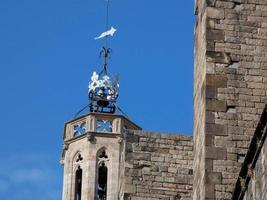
[78, 184]
[102, 176]
[78, 172]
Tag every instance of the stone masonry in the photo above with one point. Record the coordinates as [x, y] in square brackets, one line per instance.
[251, 182]
[258, 184]
[141, 165]
[230, 89]
[230, 84]
[158, 166]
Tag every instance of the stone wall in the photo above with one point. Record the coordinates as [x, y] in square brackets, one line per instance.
[157, 166]
[251, 183]
[257, 188]
[235, 68]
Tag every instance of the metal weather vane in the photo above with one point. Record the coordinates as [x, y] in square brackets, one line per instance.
[107, 33]
[102, 90]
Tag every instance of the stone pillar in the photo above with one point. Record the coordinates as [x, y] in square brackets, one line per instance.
[229, 91]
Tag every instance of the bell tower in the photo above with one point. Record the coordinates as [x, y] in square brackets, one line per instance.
[92, 156]
[93, 144]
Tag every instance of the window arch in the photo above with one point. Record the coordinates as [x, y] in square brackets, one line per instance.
[102, 174]
[78, 175]
[77, 159]
[78, 184]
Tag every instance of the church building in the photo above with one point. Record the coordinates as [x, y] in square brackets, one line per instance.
[106, 156]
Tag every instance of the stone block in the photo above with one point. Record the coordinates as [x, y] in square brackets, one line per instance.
[224, 4]
[216, 105]
[216, 153]
[208, 165]
[138, 156]
[210, 191]
[215, 13]
[157, 159]
[128, 188]
[217, 81]
[216, 129]
[163, 168]
[159, 179]
[169, 179]
[211, 92]
[146, 171]
[132, 138]
[172, 170]
[217, 57]
[210, 2]
[213, 177]
[209, 117]
[215, 35]
[183, 179]
[209, 140]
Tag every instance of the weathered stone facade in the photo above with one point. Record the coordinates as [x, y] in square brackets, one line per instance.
[141, 165]
[257, 188]
[81, 150]
[230, 84]
[230, 89]
[251, 182]
[158, 166]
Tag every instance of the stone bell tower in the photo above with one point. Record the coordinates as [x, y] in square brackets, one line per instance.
[93, 149]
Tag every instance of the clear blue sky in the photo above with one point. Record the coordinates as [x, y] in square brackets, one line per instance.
[47, 55]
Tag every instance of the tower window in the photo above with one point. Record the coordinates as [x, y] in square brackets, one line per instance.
[103, 126]
[79, 158]
[102, 176]
[78, 184]
[79, 129]
[102, 182]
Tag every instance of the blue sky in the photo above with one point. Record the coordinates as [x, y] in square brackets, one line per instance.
[47, 55]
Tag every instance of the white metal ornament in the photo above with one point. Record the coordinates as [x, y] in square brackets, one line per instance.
[103, 93]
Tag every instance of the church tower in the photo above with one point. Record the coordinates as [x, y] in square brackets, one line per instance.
[92, 156]
[93, 151]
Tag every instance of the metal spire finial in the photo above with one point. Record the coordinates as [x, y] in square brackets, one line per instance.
[102, 90]
[105, 52]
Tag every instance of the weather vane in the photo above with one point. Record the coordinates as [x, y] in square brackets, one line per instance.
[102, 91]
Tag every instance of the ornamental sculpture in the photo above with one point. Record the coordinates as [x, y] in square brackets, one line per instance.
[102, 91]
